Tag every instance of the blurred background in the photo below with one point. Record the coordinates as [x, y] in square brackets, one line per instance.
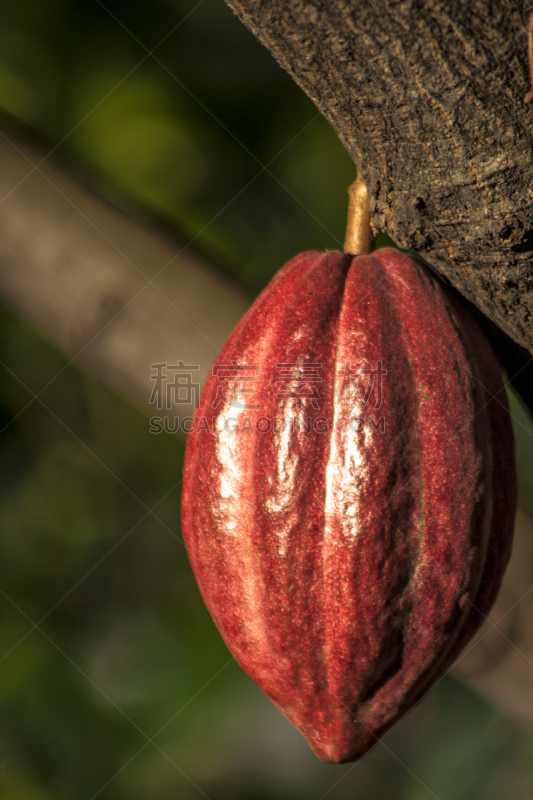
[114, 682]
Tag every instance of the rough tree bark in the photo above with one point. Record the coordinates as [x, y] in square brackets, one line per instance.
[428, 98]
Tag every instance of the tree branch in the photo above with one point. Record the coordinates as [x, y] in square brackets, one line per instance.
[113, 295]
[428, 98]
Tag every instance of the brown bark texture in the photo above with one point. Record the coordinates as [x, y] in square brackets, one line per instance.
[428, 98]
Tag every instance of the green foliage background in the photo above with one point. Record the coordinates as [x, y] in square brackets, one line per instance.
[114, 682]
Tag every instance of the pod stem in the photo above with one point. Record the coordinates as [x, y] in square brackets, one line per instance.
[359, 238]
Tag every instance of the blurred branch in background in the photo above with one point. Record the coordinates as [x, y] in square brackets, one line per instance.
[113, 294]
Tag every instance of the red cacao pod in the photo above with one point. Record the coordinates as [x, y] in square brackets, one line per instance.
[348, 512]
